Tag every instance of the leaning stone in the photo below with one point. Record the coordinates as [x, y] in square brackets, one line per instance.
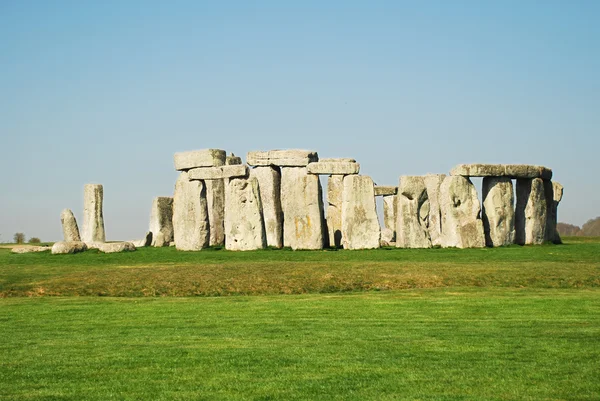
[498, 212]
[232, 160]
[381, 190]
[302, 206]
[219, 173]
[332, 167]
[30, 249]
[412, 213]
[215, 196]
[63, 247]
[360, 225]
[335, 188]
[93, 218]
[190, 214]
[502, 170]
[432, 183]
[69, 226]
[390, 210]
[284, 158]
[115, 247]
[531, 212]
[244, 224]
[161, 221]
[554, 194]
[199, 158]
[269, 183]
[461, 223]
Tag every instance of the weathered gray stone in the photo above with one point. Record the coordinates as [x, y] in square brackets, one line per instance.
[30, 249]
[360, 225]
[333, 167]
[554, 194]
[93, 245]
[302, 206]
[93, 218]
[215, 197]
[461, 223]
[69, 226]
[244, 224]
[63, 247]
[269, 183]
[498, 212]
[531, 212]
[161, 221]
[502, 170]
[381, 190]
[284, 158]
[433, 183]
[218, 173]
[190, 214]
[412, 213]
[199, 158]
[387, 237]
[335, 188]
[390, 210]
[114, 247]
[233, 160]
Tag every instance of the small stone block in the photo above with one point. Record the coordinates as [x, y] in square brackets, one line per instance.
[385, 190]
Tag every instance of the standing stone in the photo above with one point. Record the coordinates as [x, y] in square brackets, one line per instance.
[390, 208]
[556, 194]
[433, 183]
[335, 188]
[531, 212]
[244, 224]
[360, 225]
[93, 219]
[69, 226]
[461, 223]
[302, 206]
[215, 197]
[498, 211]
[161, 221]
[190, 214]
[269, 183]
[413, 213]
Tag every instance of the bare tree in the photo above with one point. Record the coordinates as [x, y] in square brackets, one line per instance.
[19, 238]
[34, 240]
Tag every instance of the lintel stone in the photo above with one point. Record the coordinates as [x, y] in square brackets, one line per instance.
[219, 173]
[284, 158]
[385, 190]
[333, 167]
[502, 170]
[199, 158]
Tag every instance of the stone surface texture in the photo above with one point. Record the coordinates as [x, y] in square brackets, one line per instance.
[333, 167]
[433, 183]
[461, 223]
[115, 247]
[387, 237]
[233, 160]
[69, 226]
[412, 213]
[215, 203]
[554, 195]
[244, 224]
[93, 218]
[360, 225]
[218, 173]
[390, 210]
[269, 183]
[63, 247]
[161, 221]
[531, 212]
[199, 158]
[502, 170]
[382, 190]
[190, 214]
[498, 212]
[335, 188]
[283, 158]
[30, 249]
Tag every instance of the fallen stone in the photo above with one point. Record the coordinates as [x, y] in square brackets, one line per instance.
[161, 222]
[381, 190]
[215, 197]
[461, 223]
[93, 218]
[284, 158]
[502, 170]
[302, 207]
[412, 206]
[190, 214]
[144, 242]
[498, 212]
[63, 247]
[30, 249]
[390, 210]
[269, 183]
[69, 226]
[335, 189]
[360, 225]
[114, 247]
[199, 158]
[233, 160]
[333, 167]
[218, 173]
[93, 245]
[433, 183]
[244, 224]
[531, 212]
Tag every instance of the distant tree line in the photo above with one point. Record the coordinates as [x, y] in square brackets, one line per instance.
[19, 238]
[589, 229]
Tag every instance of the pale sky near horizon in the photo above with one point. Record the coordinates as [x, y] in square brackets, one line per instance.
[106, 92]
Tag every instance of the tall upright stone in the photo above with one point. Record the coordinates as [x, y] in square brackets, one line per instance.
[461, 222]
[360, 226]
[215, 200]
[531, 212]
[413, 213]
[335, 188]
[69, 226]
[161, 221]
[302, 206]
[269, 182]
[190, 214]
[93, 218]
[390, 210]
[433, 183]
[498, 213]
[244, 224]
[554, 194]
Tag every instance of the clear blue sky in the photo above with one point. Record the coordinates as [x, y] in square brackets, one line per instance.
[107, 91]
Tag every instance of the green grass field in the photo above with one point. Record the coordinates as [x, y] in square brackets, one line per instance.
[515, 323]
